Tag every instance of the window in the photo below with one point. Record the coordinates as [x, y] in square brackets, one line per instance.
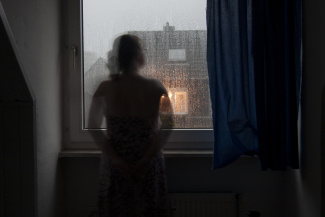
[175, 55]
[179, 101]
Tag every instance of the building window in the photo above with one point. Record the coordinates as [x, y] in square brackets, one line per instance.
[176, 55]
[179, 101]
[175, 50]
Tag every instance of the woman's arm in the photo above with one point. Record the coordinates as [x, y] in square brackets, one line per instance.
[95, 119]
[166, 117]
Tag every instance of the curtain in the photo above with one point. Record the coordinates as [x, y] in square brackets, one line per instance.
[254, 67]
[231, 77]
[277, 66]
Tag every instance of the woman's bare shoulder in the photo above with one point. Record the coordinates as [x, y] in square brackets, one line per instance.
[103, 87]
[158, 86]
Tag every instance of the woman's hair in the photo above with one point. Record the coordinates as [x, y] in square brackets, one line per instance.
[129, 48]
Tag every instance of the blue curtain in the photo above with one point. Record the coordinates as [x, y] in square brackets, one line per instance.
[231, 77]
[253, 55]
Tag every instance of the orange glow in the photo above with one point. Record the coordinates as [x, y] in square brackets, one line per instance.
[179, 100]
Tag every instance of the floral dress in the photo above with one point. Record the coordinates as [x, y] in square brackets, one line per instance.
[118, 196]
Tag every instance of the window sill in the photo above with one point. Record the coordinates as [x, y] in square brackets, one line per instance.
[167, 153]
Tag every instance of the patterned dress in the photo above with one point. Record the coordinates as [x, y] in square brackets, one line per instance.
[118, 196]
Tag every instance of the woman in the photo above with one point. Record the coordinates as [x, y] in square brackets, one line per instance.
[132, 178]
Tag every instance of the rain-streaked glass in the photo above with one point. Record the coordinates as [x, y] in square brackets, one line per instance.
[174, 40]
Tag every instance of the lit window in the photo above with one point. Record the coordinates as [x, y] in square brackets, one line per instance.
[180, 106]
[179, 100]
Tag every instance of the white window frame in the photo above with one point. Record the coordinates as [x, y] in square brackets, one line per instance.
[77, 138]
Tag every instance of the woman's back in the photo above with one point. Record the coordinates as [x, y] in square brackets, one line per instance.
[132, 178]
[131, 96]
[131, 109]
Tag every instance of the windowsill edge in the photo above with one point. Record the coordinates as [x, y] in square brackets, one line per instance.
[167, 153]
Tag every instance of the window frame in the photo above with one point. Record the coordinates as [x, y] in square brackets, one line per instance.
[78, 138]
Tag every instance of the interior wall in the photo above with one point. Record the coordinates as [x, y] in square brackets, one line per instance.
[36, 27]
[261, 191]
[306, 184]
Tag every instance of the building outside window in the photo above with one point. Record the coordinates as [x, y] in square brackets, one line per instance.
[175, 57]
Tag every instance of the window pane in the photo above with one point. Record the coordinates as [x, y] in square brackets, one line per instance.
[174, 38]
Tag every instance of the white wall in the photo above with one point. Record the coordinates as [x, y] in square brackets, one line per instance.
[36, 27]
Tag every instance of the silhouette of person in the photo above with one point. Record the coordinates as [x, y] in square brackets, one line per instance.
[132, 174]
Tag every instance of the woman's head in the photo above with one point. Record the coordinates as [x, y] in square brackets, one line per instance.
[130, 54]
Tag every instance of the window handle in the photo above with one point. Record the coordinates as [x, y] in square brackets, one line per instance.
[74, 54]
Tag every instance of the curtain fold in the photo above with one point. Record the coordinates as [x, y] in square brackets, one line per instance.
[231, 79]
[254, 67]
